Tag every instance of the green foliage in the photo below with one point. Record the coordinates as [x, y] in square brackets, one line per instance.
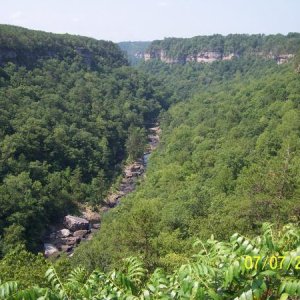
[228, 160]
[26, 268]
[218, 271]
[135, 144]
[28, 47]
[68, 107]
[239, 44]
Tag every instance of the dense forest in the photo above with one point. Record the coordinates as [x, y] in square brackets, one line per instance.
[64, 126]
[25, 47]
[228, 161]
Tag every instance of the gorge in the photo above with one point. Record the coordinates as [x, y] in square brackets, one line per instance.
[222, 186]
[74, 230]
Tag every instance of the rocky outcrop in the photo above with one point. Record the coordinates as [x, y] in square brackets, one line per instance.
[200, 57]
[76, 223]
[139, 55]
[147, 56]
[161, 55]
[66, 239]
[283, 58]
[211, 56]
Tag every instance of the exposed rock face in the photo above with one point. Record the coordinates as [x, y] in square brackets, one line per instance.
[147, 56]
[283, 58]
[76, 223]
[206, 57]
[210, 56]
[139, 55]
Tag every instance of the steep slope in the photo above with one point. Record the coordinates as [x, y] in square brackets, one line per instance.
[207, 49]
[25, 47]
[68, 105]
[228, 161]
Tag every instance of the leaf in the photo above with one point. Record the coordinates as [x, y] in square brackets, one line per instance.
[284, 296]
[268, 273]
[245, 296]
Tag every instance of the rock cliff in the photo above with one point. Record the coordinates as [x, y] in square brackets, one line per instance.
[200, 57]
[209, 57]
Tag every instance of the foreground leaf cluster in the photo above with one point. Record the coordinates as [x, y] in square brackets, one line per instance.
[217, 271]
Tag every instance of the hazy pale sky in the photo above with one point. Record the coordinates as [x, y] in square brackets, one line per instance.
[136, 20]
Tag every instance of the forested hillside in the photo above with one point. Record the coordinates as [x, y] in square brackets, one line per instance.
[64, 124]
[26, 47]
[228, 161]
[219, 47]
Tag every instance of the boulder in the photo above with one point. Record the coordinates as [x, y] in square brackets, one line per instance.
[96, 226]
[66, 248]
[70, 241]
[80, 233]
[76, 223]
[50, 250]
[91, 216]
[63, 233]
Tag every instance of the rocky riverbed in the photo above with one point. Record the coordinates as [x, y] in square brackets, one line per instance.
[76, 229]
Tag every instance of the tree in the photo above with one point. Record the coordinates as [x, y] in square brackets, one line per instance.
[264, 267]
[135, 143]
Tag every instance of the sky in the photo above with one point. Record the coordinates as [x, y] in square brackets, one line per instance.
[146, 20]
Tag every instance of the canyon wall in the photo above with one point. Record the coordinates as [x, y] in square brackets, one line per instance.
[209, 57]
